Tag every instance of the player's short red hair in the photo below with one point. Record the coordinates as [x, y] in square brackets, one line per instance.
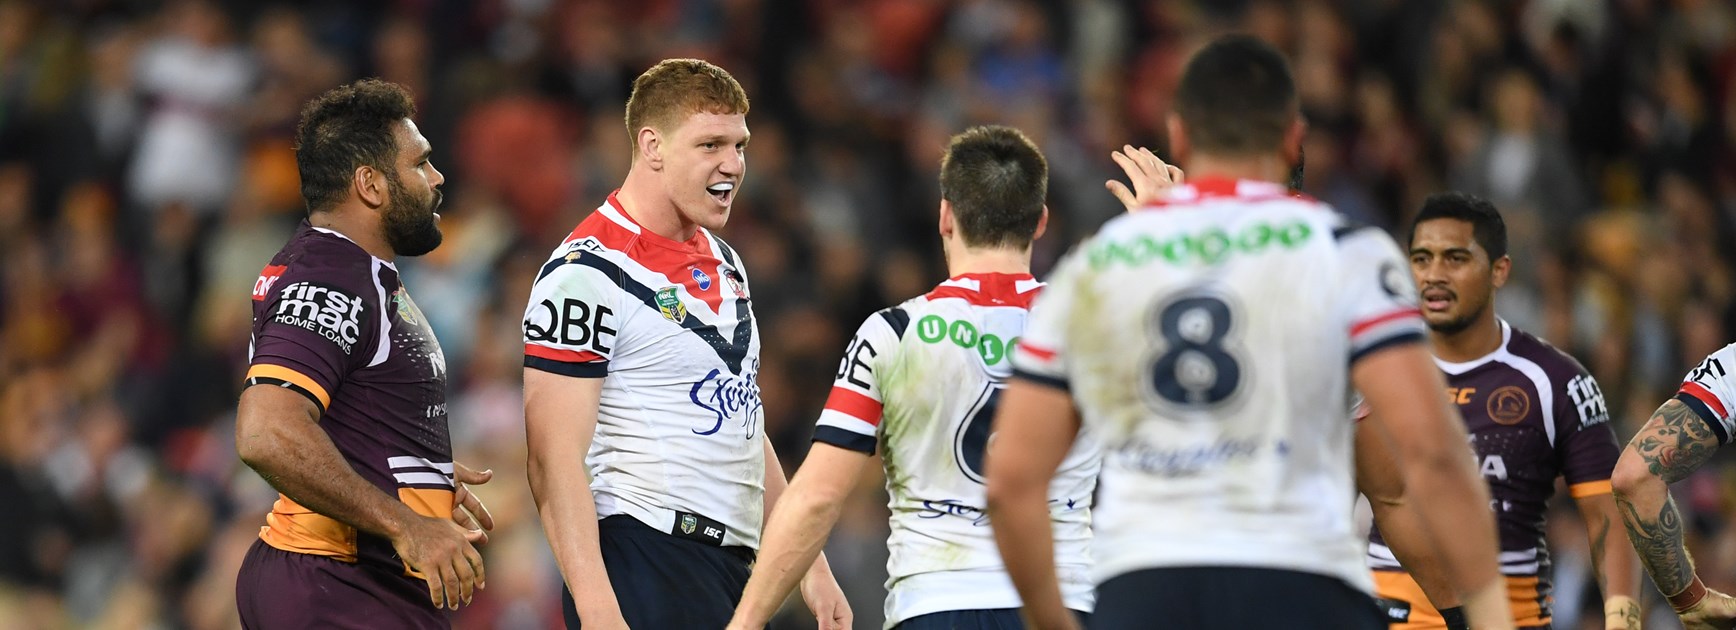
[674, 89]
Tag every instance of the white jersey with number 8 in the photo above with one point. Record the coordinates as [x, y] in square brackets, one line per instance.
[1207, 342]
[921, 382]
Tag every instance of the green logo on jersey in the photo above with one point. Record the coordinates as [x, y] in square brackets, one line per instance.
[1210, 247]
[935, 329]
[670, 304]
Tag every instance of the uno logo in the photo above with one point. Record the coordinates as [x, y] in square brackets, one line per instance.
[992, 349]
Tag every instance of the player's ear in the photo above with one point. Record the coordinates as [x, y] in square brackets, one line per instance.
[946, 220]
[648, 144]
[1499, 269]
[370, 185]
[1042, 223]
[1178, 141]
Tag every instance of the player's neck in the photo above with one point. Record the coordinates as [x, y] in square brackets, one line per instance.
[1264, 168]
[963, 260]
[642, 199]
[1474, 342]
[355, 224]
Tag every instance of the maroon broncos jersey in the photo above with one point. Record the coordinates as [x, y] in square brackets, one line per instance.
[333, 323]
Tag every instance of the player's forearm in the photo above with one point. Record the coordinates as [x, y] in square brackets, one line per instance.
[1409, 541]
[568, 512]
[289, 450]
[1616, 566]
[1654, 527]
[794, 535]
[1457, 517]
[1025, 537]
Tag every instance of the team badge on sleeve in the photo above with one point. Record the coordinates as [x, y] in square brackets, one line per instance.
[670, 304]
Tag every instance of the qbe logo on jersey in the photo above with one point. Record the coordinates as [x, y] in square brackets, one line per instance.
[327, 311]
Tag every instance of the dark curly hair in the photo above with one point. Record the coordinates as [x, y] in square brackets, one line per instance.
[346, 128]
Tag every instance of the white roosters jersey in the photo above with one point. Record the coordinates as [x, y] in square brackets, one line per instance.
[1710, 391]
[668, 327]
[922, 380]
[1207, 341]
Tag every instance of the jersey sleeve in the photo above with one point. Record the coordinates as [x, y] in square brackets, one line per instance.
[1585, 440]
[851, 419]
[314, 328]
[1041, 356]
[1710, 391]
[1377, 294]
[571, 321]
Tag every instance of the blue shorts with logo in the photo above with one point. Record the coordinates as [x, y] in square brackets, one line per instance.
[665, 581]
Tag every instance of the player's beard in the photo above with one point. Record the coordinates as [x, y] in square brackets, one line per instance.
[1458, 324]
[410, 227]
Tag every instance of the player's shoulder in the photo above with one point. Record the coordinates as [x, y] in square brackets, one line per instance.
[1560, 366]
[318, 256]
[892, 322]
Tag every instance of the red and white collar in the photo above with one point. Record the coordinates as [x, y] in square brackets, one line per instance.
[990, 289]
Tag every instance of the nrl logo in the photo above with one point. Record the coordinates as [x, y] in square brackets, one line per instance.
[670, 304]
[688, 523]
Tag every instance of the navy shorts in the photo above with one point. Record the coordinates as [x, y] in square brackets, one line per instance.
[283, 589]
[1232, 598]
[663, 581]
[990, 619]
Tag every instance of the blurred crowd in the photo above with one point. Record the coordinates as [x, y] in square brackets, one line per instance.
[146, 175]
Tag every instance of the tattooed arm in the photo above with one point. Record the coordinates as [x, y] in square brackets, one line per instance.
[1674, 443]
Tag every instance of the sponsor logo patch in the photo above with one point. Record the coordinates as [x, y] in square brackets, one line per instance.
[323, 309]
[734, 280]
[670, 304]
[267, 277]
[732, 398]
[703, 280]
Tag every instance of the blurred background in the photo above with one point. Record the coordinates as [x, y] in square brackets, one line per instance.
[146, 175]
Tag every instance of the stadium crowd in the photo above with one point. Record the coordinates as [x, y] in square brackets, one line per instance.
[146, 175]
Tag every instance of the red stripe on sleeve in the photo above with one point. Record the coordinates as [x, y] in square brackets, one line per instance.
[1364, 325]
[1700, 392]
[1041, 354]
[564, 356]
[854, 405]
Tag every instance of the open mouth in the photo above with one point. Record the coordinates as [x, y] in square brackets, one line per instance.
[1437, 300]
[723, 192]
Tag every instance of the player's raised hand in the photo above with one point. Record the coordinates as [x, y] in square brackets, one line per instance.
[821, 592]
[467, 508]
[1149, 175]
[1716, 612]
[445, 554]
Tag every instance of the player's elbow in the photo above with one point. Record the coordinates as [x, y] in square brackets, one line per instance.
[1632, 478]
[1005, 488]
[256, 446]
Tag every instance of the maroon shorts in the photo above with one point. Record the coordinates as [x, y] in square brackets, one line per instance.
[282, 589]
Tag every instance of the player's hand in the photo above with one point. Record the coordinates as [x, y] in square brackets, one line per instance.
[1149, 175]
[821, 592]
[467, 509]
[1716, 612]
[445, 554]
